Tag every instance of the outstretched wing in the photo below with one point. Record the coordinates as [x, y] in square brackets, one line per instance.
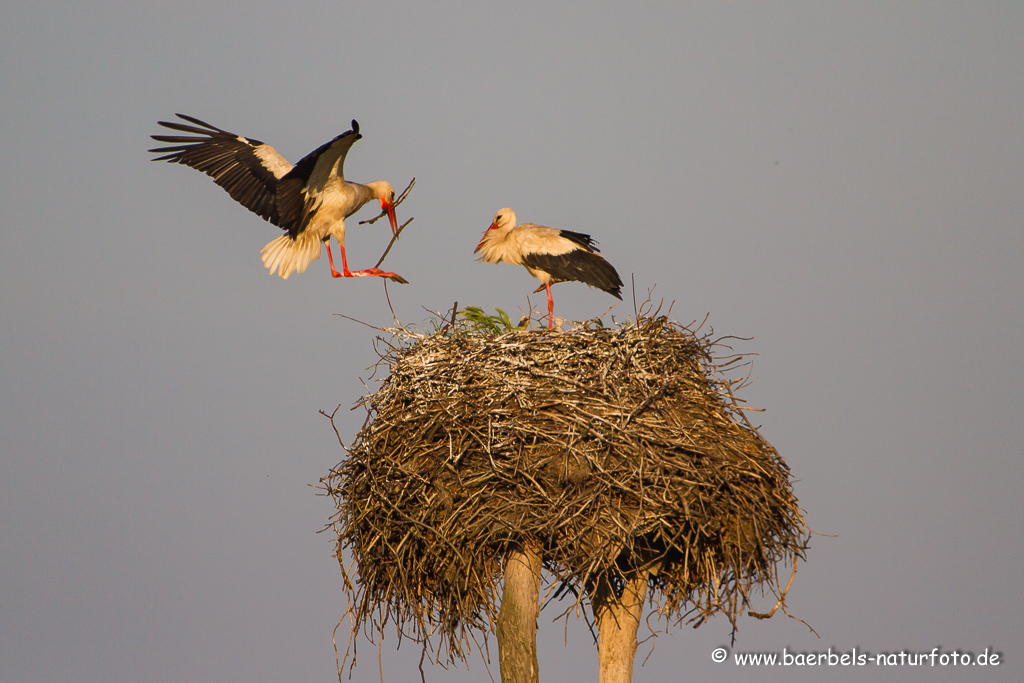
[248, 169]
[299, 191]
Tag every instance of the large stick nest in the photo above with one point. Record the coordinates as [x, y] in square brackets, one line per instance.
[614, 451]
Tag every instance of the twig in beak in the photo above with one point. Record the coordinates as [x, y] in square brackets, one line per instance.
[401, 198]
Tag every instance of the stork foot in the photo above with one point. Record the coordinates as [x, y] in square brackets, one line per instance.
[377, 272]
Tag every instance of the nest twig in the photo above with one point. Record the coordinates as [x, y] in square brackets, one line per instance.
[615, 451]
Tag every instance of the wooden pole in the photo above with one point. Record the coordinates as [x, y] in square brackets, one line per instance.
[617, 623]
[517, 619]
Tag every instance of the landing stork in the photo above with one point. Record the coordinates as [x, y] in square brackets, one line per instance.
[551, 255]
[309, 201]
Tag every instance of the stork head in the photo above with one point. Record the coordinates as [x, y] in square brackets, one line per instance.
[503, 220]
[385, 194]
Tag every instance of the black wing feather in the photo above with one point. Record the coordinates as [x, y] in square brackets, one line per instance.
[227, 158]
[579, 238]
[339, 146]
[579, 265]
[292, 204]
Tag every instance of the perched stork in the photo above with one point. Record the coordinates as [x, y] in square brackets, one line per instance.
[551, 255]
[309, 201]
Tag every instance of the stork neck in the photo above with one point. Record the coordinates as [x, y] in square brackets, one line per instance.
[496, 247]
[362, 194]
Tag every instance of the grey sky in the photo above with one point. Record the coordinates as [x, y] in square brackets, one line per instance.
[841, 182]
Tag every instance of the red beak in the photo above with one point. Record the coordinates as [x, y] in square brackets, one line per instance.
[493, 226]
[390, 208]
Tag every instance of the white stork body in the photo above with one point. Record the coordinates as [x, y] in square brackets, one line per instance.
[551, 255]
[309, 200]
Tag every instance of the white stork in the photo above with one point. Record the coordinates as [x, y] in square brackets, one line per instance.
[551, 255]
[309, 200]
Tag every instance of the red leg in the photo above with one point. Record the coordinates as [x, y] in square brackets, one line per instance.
[551, 308]
[368, 272]
[344, 261]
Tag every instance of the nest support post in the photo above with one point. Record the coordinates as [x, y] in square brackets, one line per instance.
[517, 619]
[617, 621]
